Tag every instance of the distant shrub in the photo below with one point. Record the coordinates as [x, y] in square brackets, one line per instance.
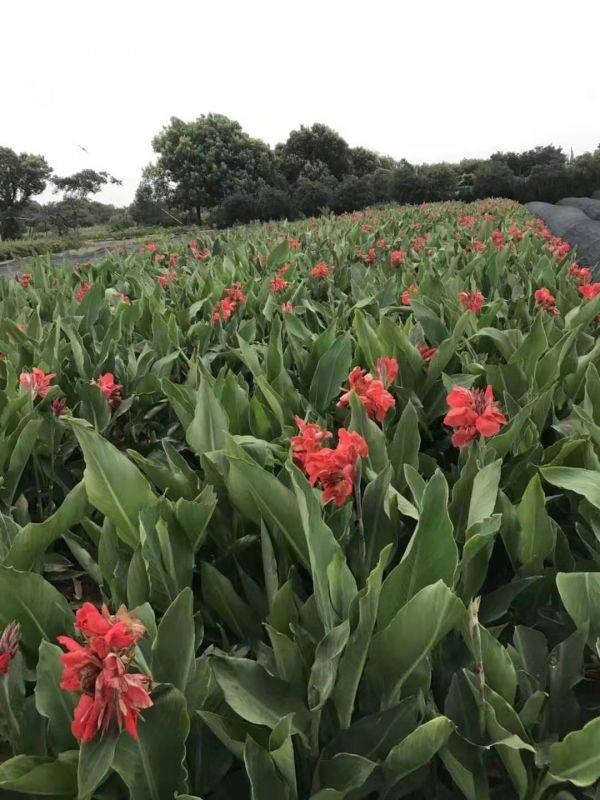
[353, 194]
[311, 197]
[236, 209]
[274, 204]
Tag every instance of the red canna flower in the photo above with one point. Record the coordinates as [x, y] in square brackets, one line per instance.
[367, 228]
[387, 370]
[321, 270]
[230, 304]
[478, 246]
[581, 274]
[472, 300]
[335, 469]
[21, 327]
[589, 290]
[79, 295]
[159, 258]
[427, 352]
[25, 280]
[278, 285]
[150, 248]
[397, 257]
[110, 389]
[100, 668]
[547, 301]
[287, 308]
[9, 645]
[59, 406]
[124, 298]
[498, 239]
[294, 244]
[408, 294]
[370, 391]
[473, 413]
[282, 270]
[309, 441]
[37, 382]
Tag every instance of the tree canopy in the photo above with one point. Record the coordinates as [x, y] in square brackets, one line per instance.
[210, 158]
[22, 176]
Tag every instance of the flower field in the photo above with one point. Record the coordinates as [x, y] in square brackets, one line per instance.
[306, 510]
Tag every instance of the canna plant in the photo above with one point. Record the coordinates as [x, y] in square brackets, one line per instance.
[304, 511]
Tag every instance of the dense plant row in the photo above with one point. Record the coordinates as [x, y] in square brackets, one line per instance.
[313, 512]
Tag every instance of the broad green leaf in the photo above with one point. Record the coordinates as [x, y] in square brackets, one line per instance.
[53, 702]
[331, 373]
[209, 426]
[418, 748]
[113, 484]
[401, 647]
[577, 758]
[41, 610]
[430, 555]
[580, 594]
[33, 775]
[152, 767]
[36, 537]
[173, 648]
[219, 594]
[536, 532]
[585, 482]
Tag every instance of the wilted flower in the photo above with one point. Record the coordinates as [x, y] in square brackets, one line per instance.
[124, 298]
[37, 382]
[473, 413]
[472, 300]
[25, 280]
[9, 645]
[287, 308]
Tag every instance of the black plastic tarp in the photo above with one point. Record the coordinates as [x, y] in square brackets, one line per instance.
[588, 205]
[576, 228]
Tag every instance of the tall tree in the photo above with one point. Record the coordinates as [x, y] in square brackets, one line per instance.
[319, 143]
[22, 175]
[209, 159]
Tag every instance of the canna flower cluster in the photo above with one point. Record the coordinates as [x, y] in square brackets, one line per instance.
[81, 293]
[37, 382]
[406, 296]
[547, 301]
[581, 274]
[321, 270]
[372, 390]
[473, 413]
[472, 300]
[110, 389]
[230, 304]
[397, 257]
[9, 645]
[333, 469]
[589, 290]
[278, 285]
[113, 696]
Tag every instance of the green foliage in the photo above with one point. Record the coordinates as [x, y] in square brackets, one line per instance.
[435, 635]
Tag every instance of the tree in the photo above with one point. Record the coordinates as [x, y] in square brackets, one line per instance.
[312, 197]
[22, 176]
[521, 164]
[209, 159]
[366, 162]
[83, 183]
[493, 179]
[319, 143]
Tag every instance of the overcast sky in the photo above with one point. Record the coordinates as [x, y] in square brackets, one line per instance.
[427, 81]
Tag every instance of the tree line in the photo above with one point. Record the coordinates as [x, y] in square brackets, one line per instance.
[211, 171]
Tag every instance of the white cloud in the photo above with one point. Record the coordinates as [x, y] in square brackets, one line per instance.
[425, 81]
